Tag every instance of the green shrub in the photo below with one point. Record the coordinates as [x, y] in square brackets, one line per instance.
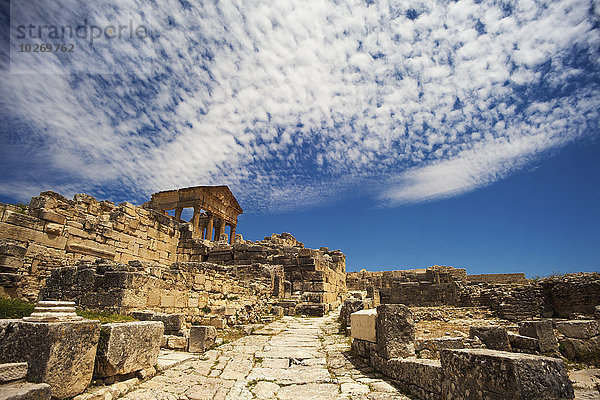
[13, 308]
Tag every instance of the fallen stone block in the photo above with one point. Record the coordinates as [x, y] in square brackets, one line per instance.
[579, 329]
[172, 322]
[363, 325]
[475, 374]
[494, 337]
[419, 377]
[583, 350]
[525, 343]
[60, 354]
[349, 307]
[25, 391]
[175, 342]
[395, 331]
[128, 347]
[12, 372]
[541, 330]
[429, 348]
[201, 338]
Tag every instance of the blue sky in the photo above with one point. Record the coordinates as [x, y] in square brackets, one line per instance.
[405, 133]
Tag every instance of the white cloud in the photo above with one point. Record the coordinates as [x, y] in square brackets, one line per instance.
[295, 103]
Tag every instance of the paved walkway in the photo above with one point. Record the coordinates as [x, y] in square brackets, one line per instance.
[293, 358]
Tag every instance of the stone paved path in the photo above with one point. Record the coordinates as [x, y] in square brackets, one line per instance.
[291, 359]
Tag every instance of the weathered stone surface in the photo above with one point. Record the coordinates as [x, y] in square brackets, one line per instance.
[363, 325]
[12, 372]
[579, 329]
[25, 391]
[395, 331]
[488, 374]
[172, 322]
[584, 350]
[421, 378]
[541, 330]
[177, 342]
[201, 338]
[128, 347]
[60, 354]
[351, 305]
[525, 343]
[494, 337]
[363, 348]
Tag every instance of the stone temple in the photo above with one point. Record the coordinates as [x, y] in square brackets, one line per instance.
[207, 314]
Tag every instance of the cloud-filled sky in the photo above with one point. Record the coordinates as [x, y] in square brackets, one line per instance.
[299, 103]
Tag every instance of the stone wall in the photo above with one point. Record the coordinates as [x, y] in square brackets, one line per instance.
[497, 278]
[237, 293]
[54, 231]
[511, 295]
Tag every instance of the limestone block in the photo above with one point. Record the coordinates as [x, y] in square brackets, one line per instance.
[167, 301]
[53, 229]
[25, 391]
[177, 342]
[579, 329]
[128, 347]
[521, 342]
[421, 378]
[350, 306]
[26, 221]
[585, 350]
[22, 234]
[494, 337]
[541, 330]
[13, 249]
[201, 338]
[363, 348]
[395, 331]
[12, 372]
[363, 325]
[489, 374]
[172, 322]
[60, 354]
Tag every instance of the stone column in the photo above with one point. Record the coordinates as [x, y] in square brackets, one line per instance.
[195, 221]
[232, 234]
[395, 330]
[178, 211]
[221, 229]
[209, 227]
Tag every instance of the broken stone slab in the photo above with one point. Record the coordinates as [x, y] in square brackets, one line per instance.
[541, 330]
[201, 338]
[494, 337]
[579, 329]
[475, 374]
[25, 391]
[176, 342]
[395, 331]
[583, 350]
[128, 347]
[172, 322]
[12, 372]
[526, 343]
[60, 354]
[362, 325]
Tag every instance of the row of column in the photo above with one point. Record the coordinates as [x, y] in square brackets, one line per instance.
[207, 233]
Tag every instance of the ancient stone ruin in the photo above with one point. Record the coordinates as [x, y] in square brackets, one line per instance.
[434, 333]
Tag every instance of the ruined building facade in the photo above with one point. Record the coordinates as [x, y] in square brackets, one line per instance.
[125, 257]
